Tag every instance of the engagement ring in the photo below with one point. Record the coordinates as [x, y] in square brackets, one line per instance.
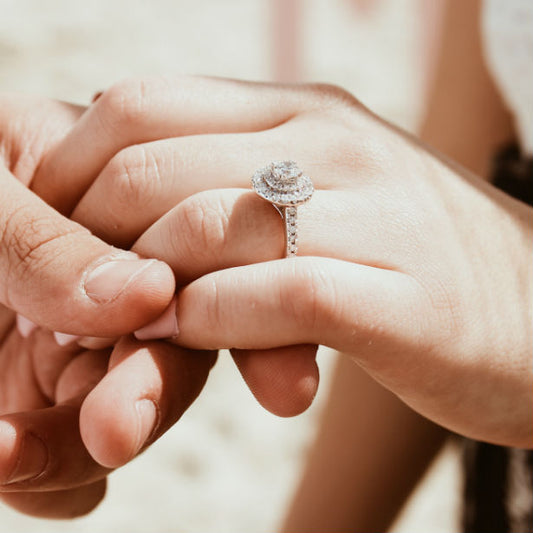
[284, 185]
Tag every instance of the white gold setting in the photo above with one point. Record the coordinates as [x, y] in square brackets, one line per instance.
[284, 185]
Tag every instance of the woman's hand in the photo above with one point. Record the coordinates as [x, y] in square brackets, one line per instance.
[416, 268]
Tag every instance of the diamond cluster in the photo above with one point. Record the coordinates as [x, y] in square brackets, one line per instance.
[283, 184]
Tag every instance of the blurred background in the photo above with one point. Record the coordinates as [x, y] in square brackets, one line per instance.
[228, 465]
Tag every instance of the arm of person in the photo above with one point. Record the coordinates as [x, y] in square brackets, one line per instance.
[369, 453]
[466, 118]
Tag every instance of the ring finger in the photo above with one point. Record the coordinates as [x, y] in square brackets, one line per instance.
[219, 229]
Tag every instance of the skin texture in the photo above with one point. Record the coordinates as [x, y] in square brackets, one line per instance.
[45, 465]
[45, 469]
[376, 282]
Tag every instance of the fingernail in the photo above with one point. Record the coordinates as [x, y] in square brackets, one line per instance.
[25, 326]
[32, 455]
[147, 414]
[108, 280]
[64, 339]
[164, 327]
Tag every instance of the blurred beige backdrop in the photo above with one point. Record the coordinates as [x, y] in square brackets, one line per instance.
[227, 466]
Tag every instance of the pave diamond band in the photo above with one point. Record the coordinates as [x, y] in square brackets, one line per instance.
[284, 185]
[290, 216]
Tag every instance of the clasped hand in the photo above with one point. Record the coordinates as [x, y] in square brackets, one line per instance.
[406, 263]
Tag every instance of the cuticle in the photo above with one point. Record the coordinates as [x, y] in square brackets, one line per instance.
[109, 259]
[156, 423]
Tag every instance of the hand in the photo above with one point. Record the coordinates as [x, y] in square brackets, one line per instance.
[416, 268]
[45, 257]
[143, 387]
[45, 469]
[286, 387]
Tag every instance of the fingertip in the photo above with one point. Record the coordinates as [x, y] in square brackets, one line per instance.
[295, 404]
[147, 388]
[299, 394]
[164, 327]
[114, 277]
[118, 415]
[107, 440]
[151, 293]
[128, 293]
[283, 380]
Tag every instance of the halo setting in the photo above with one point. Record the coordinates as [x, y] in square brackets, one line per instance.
[285, 186]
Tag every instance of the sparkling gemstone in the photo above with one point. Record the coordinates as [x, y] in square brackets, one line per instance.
[282, 183]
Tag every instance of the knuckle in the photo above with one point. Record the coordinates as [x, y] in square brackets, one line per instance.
[203, 227]
[310, 295]
[326, 95]
[24, 236]
[30, 244]
[126, 102]
[132, 176]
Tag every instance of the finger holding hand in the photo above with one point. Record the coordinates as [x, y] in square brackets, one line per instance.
[41, 449]
[58, 275]
[147, 389]
[45, 470]
[400, 272]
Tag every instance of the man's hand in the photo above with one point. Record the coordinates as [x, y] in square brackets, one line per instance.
[57, 274]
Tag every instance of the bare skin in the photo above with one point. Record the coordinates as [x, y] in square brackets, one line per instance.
[363, 289]
[45, 468]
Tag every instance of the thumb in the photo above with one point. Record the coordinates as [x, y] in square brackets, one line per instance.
[54, 272]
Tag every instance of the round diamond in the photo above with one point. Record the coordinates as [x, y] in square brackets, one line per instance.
[282, 183]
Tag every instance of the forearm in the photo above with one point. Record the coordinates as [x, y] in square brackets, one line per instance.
[370, 451]
[465, 117]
